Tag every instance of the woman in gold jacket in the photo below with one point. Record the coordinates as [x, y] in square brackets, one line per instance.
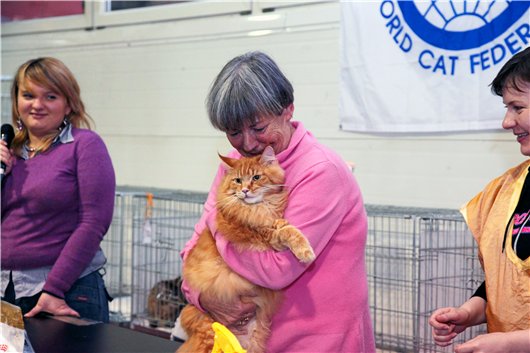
[499, 218]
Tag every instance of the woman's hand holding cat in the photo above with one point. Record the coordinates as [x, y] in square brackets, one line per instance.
[235, 316]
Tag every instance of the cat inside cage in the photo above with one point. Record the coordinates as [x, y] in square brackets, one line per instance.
[164, 303]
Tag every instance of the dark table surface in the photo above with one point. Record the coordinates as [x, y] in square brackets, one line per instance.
[50, 335]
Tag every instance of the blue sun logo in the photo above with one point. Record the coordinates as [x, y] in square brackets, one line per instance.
[461, 24]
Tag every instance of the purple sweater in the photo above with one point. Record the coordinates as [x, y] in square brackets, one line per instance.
[325, 307]
[56, 208]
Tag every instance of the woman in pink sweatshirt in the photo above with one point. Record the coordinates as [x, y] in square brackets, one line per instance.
[325, 307]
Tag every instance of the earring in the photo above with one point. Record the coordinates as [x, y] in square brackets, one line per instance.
[19, 124]
[63, 124]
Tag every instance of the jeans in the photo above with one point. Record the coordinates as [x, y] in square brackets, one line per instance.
[88, 296]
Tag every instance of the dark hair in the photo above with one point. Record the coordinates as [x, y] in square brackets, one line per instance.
[248, 86]
[513, 73]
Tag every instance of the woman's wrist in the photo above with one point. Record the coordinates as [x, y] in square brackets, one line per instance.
[518, 341]
[52, 294]
[476, 310]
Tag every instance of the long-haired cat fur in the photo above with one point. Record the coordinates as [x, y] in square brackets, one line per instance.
[250, 204]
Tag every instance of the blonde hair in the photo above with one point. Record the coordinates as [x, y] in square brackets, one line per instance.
[52, 74]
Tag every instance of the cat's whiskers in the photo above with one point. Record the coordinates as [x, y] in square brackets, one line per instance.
[273, 187]
[227, 201]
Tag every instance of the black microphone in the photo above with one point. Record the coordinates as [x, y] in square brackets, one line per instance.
[7, 135]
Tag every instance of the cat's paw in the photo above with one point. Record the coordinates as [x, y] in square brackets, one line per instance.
[304, 253]
[279, 223]
[290, 237]
[300, 246]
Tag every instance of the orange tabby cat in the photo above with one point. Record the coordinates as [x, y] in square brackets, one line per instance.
[250, 204]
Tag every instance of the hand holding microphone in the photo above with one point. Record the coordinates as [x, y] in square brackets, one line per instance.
[7, 135]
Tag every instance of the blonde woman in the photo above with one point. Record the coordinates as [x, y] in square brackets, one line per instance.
[57, 198]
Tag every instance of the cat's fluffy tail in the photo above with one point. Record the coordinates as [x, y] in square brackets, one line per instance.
[198, 327]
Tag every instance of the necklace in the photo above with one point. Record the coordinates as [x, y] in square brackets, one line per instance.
[31, 149]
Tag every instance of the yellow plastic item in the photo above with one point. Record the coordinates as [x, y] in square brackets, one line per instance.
[225, 341]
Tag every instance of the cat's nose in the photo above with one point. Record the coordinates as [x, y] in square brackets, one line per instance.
[244, 191]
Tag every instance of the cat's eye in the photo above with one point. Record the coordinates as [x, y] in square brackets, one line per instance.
[256, 177]
[237, 180]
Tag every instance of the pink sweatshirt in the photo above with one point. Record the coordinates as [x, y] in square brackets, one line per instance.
[325, 307]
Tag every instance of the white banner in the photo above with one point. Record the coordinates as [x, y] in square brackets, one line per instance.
[425, 66]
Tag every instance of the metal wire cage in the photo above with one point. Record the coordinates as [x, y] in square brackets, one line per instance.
[418, 260]
[143, 247]
[160, 232]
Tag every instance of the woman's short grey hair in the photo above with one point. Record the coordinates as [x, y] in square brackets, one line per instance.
[249, 86]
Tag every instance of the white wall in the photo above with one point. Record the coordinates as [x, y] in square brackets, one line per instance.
[145, 86]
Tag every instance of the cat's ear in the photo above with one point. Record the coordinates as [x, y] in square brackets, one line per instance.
[268, 156]
[229, 162]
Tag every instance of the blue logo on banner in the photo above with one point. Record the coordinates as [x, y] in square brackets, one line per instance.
[486, 22]
[483, 33]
